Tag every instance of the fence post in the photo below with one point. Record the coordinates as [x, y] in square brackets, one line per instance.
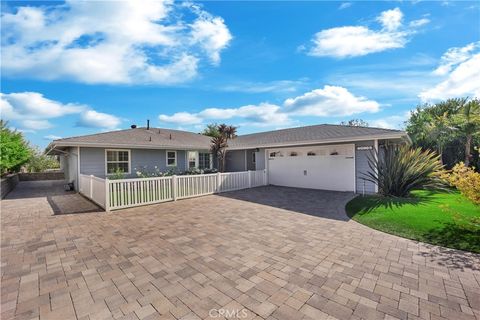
[249, 179]
[107, 195]
[219, 181]
[174, 187]
[91, 186]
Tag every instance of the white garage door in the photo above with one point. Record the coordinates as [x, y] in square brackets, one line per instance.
[320, 167]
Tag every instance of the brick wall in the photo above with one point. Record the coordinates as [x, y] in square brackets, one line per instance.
[36, 176]
[8, 184]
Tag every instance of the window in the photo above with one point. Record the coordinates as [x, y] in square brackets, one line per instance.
[310, 153]
[171, 158]
[117, 160]
[293, 154]
[204, 160]
[254, 157]
[192, 159]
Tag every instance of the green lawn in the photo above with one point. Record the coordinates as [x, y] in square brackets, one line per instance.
[445, 219]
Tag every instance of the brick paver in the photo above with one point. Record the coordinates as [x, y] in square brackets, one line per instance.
[264, 253]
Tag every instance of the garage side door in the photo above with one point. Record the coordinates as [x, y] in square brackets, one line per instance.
[326, 168]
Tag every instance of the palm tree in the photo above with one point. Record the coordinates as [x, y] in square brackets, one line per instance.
[439, 129]
[467, 121]
[220, 143]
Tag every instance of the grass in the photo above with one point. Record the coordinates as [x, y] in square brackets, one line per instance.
[446, 219]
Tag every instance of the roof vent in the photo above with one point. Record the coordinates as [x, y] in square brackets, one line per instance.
[148, 124]
[170, 136]
[150, 138]
[133, 126]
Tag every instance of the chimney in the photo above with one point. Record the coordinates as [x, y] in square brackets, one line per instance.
[148, 124]
[133, 126]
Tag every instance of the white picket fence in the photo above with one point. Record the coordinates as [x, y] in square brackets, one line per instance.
[126, 193]
[93, 188]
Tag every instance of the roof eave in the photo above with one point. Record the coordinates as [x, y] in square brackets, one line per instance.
[128, 146]
[398, 135]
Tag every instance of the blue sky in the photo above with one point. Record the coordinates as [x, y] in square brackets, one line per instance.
[76, 68]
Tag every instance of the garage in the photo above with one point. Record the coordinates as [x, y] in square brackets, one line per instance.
[330, 167]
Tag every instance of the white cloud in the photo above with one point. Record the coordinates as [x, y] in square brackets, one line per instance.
[391, 19]
[459, 71]
[32, 111]
[261, 87]
[181, 118]
[51, 137]
[419, 22]
[344, 5]
[256, 115]
[36, 124]
[94, 119]
[111, 41]
[454, 56]
[390, 122]
[353, 41]
[330, 101]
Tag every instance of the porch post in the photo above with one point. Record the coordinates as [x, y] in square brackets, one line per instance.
[107, 195]
[91, 186]
[174, 187]
[219, 181]
[249, 178]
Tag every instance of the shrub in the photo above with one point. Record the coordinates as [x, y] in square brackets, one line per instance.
[466, 180]
[117, 175]
[401, 169]
[40, 162]
[14, 149]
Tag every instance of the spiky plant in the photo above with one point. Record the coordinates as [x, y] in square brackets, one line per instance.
[400, 169]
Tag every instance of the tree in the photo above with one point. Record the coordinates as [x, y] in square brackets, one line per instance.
[14, 149]
[40, 162]
[220, 143]
[355, 123]
[211, 130]
[467, 121]
[446, 127]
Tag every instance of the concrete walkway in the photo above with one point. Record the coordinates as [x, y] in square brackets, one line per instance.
[263, 253]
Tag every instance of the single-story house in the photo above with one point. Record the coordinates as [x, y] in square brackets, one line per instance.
[330, 157]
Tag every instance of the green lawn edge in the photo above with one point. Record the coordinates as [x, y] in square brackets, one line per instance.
[438, 218]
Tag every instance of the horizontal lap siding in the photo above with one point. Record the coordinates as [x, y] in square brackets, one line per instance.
[361, 167]
[92, 161]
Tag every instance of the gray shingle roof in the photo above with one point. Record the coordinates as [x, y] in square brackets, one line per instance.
[168, 138]
[141, 137]
[315, 133]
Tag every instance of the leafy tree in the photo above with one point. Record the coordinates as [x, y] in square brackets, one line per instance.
[355, 123]
[211, 130]
[220, 143]
[14, 149]
[448, 127]
[467, 122]
[40, 162]
[402, 169]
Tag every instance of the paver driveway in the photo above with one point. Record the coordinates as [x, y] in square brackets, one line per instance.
[269, 252]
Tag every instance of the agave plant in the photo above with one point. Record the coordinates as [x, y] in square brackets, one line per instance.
[400, 169]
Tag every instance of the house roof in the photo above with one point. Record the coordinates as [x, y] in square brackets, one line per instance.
[323, 133]
[167, 138]
[140, 138]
